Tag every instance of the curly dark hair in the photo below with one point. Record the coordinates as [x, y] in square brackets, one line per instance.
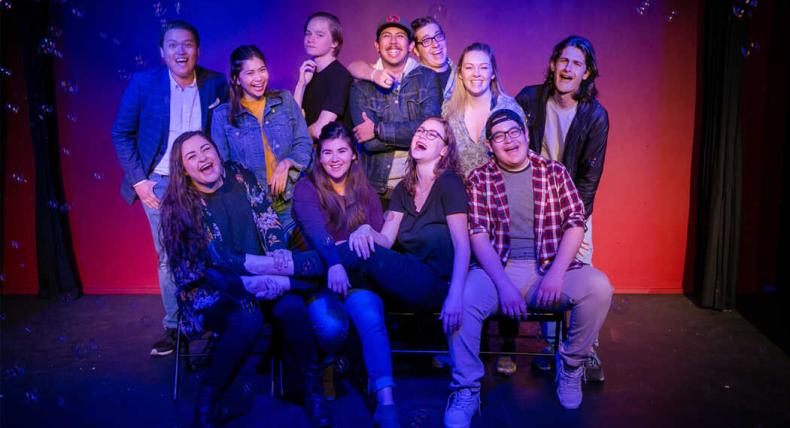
[183, 233]
[587, 90]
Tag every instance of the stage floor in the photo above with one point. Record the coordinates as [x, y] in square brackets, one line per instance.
[668, 363]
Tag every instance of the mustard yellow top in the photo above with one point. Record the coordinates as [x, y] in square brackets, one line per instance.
[257, 107]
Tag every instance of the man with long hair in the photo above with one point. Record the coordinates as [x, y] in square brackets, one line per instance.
[568, 124]
[144, 131]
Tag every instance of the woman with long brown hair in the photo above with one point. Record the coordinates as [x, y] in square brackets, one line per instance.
[333, 200]
[225, 248]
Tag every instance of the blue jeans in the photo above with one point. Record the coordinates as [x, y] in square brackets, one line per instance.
[166, 285]
[330, 315]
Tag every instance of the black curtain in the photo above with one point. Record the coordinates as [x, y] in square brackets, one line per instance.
[719, 164]
[57, 268]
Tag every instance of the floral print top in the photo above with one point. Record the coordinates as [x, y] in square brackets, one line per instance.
[195, 296]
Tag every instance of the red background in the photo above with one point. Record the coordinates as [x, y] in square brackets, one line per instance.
[648, 84]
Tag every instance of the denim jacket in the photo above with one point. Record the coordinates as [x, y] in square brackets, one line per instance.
[285, 130]
[397, 113]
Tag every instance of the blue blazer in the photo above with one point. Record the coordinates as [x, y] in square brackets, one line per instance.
[142, 123]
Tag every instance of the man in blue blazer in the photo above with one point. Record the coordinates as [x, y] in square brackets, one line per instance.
[158, 106]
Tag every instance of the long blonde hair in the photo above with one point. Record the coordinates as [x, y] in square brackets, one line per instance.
[458, 100]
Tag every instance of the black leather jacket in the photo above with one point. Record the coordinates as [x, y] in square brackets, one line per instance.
[585, 143]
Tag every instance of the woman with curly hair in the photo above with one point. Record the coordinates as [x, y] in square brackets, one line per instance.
[225, 248]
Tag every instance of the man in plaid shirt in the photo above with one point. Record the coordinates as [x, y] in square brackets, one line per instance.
[526, 222]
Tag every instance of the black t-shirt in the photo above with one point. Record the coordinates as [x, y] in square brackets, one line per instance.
[425, 234]
[443, 77]
[328, 90]
[231, 211]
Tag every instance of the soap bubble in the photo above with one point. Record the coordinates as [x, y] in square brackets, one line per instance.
[55, 31]
[438, 11]
[15, 245]
[65, 207]
[76, 12]
[13, 108]
[45, 109]
[5, 4]
[123, 74]
[751, 48]
[178, 7]
[159, 9]
[69, 86]
[671, 16]
[31, 396]
[71, 117]
[140, 61]
[14, 371]
[98, 176]
[643, 8]
[18, 178]
[47, 46]
[5, 72]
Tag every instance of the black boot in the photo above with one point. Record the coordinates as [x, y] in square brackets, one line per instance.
[316, 406]
[207, 407]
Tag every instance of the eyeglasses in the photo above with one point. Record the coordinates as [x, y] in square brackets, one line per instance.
[426, 42]
[429, 134]
[512, 133]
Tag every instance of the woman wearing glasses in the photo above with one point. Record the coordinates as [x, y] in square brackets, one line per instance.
[427, 219]
[478, 91]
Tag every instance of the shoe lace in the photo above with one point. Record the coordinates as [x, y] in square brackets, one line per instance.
[462, 400]
[571, 378]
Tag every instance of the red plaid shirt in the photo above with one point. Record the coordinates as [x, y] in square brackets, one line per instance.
[558, 207]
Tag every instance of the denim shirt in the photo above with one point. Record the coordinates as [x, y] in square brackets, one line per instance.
[285, 130]
[397, 113]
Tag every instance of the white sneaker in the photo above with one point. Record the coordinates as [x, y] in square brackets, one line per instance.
[569, 385]
[462, 405]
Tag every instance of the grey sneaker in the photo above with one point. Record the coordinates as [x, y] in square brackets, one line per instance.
[593, 372]
[462, 405]
[569, 385]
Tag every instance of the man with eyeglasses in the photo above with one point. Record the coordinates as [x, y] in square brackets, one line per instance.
[430, 48]
[385, 118]
[526, 223]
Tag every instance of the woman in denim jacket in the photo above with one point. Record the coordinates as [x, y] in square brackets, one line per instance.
[263, 129]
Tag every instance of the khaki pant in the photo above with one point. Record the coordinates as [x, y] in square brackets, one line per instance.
[585, 291]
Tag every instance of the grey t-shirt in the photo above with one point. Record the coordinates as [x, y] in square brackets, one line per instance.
[518, 186]
[558, 121]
